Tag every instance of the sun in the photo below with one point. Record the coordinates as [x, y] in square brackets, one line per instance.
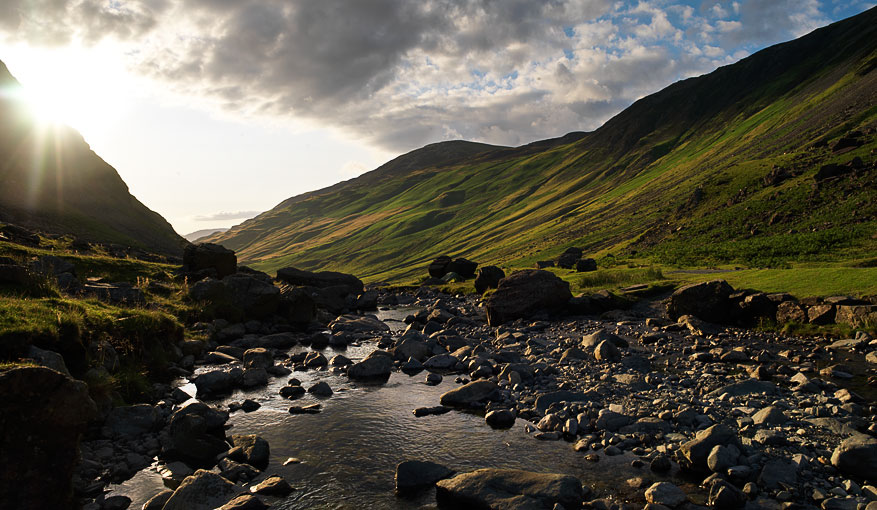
[84, 88]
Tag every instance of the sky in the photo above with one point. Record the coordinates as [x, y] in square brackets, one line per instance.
[215, 110]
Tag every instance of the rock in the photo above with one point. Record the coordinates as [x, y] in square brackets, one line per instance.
[429, 411]
[321, 280]
[778, 473]
[464, 268]
[665, 493]
[769, 416]
[469, 394]
[315, 360]
[693, 454]
[378, 364]
[237, 471]
[50, 359]
[586, 265]
[244, 502]
[256, 298]
[500, 418]
[202, 491]
[707, 301]
[488, 278]
[509, 488]
[821, 314]
[321, 389]
[116, 293]
[251, 449]
[724, 496]
[722, 457]
[254, 377]
[13, 274]
[591, 341]
[606, 351]
[250, 405]
[610, 420]
[433, 379]
[441, 362]
[157, 502]
[747, 387]
[217, 382]
[197, 434]
[856, 315]
[525, 293]
[353, 324]
[545, 400]
[273, 486]
[416, 474]
[568, 260]
[258, 358]
[292, 392]
[198, 257]
[411, 348]
[856, 456]
[42, 415]
[439, 267]
[340, 360]
[131, 421]
[791, 311]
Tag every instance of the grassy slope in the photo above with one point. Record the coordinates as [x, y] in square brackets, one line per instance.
[627, 188]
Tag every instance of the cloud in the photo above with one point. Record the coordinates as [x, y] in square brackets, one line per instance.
[224, 216]
[400, 74]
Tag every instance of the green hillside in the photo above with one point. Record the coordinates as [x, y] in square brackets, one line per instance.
[716, 169]
[50, 180]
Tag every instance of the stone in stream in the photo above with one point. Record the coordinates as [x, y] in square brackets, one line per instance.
[412, 367]
[273, 486]
[362, 324]
[509, 488]
[320, 389]
[202, 491]
[251, 449]
[321, 280]
[157, 502]
[410, 348]
[292, 392]
[254, 377]
[469, 394]
[244, 502]
[433, 379]
[665, 493]
[500, 418]
[856, 455]
[427, 411]
[378, 364]
[416, 474]
[258, 358]
[525, 293]
[217, 382]
[315, 360]
[308, 409]
[197, 434]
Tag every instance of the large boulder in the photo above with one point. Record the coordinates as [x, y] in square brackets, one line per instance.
[856, 456]
[205, 256]
[197, 434]
[250, 449]
[791, 311]
[217, 382]
[586, 265]
[488, 278]
[695, 453]
[856, 315]
[416, 474]
[469, 394]
[322, 279]
[376, 365]
[358, 324]
[42, 415]
[525, 293]
[202, 491]
[258, 357]
[708, 301]
[463, 267]
[568, 260]
[411, 348]
[297, 305]
[439, 267]
[257, 298]
[509, 488]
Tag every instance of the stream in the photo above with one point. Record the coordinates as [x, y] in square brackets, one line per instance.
[350, 450]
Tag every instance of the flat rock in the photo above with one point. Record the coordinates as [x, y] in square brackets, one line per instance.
[509, 488]
[468, 394]
[747, 387]
[665, 493]
[856, 455]
[418, 474]
[202, 491]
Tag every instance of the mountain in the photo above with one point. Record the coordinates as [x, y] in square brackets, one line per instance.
[761, 162]
[53, 182]
[198, 234]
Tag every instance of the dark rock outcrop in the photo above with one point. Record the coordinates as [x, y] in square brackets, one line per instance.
[207, 256]
[525, 293]
[509, 488]
[707, 301]
[42, 415]
[321, 280]
[488, 278]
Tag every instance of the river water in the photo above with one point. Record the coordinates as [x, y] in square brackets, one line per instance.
[350, 450]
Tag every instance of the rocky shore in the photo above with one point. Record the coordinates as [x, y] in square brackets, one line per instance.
[741, 418]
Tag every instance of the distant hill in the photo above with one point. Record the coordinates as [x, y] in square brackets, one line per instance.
[198, 234]
[761, 162]
[52, 181]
